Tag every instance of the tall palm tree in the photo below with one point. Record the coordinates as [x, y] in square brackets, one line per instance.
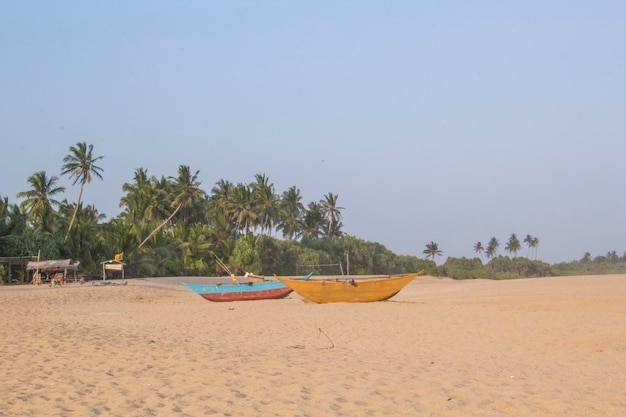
[332, 213]
[80, 165]
[7, 212]
[8, 228]
[492, 248]
[5, 219]
[432, 250]
[144, 205]
[144, 199]
[221, 191]
[222, 233]
[87, 239]
[478, 248]
[193, 246]
[265, 202]
[38, 202]
[290, 213]
[513, 245]
[313, 221]
[240, 208]
[534, 244]
[185, 192]
[528, 241]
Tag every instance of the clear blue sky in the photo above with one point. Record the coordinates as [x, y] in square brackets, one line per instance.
[447, 121]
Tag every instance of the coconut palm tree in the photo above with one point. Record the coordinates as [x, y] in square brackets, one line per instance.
[432, 250]
[5, 219]
[12, 218]
[528, 241]
[87, 239]
[265, 202]
[185, 192]
[220, 193]
[240, 208]
[313, 221]
[513, 245]
[332, 213]
[534, 244]
[478, 248]
[193, 247]
[492, 248]
[222, 233]
[80, 165]
[38, 202]
[290, 213]
[13, 222]
[145, 199]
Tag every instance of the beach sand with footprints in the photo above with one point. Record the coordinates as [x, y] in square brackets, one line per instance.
[531, 347]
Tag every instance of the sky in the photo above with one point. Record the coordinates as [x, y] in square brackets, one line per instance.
[448, 121]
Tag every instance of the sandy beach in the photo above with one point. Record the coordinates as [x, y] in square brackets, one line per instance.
[533, 347]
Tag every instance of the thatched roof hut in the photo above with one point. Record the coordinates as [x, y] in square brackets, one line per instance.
[54, 265]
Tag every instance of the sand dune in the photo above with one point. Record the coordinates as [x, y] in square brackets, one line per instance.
[534, 347]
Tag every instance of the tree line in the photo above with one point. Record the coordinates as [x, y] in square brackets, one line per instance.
[513, 246]
[514, 266]
[172, 226]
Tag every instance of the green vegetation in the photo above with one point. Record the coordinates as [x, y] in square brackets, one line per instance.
[500, 267]
[611, 263]
[172, 226]
[504, 267]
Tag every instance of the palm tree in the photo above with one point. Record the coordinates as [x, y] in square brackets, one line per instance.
[528, 240]
[534, 244]
[194, 247]
[80, 165]
[5, 219]
[240, 208]
[313, 221]
[144, 199]
[478, 248]
[332, 213]
[220, 193]
[492, 248]
[185, 191]
[9, 213]
[586, 257]
[222, 233]
[513, 245]
[432, 250]
[38, 203]
[290, 213]
[265, 202]
[87, 239]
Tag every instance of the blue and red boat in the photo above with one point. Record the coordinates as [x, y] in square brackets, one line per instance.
[266, 290]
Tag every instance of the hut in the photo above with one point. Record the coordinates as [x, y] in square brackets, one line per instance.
[54, 271]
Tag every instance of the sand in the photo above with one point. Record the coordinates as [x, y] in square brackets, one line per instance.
[533, 347]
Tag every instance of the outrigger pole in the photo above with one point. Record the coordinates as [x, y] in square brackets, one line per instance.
[225, 268]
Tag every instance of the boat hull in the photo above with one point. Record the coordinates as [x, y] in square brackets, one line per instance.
[350, 290]
[266, 290]
[240, 292]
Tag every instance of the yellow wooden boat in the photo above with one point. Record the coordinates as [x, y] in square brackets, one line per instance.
[350, 289]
